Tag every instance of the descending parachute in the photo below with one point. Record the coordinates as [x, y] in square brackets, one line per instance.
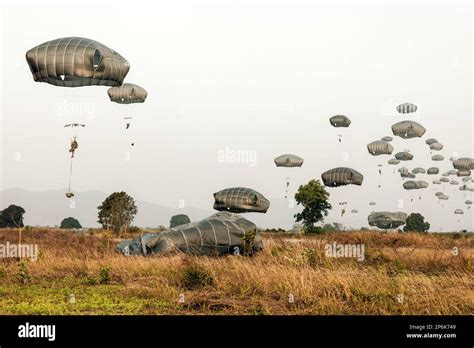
[340, 121]
[379, 147]
[432, 171]
[406, 108]
[468, 202]
[454, 182]
[393, 161]
[72, 125]
[354, 211]
[443, 197]
[415, 185]
[436, 146]
[76, 62]
[444, 179]
[431, 141]
[462, 172]
[240, 200]
[408, 129]
[288, 161]
[342, 176]
[463, 163]
[387, 138]
[436, 182]
[387, 220]
[408, 175]
[452, 172]
[128, 93]
[459, 211]
[418, 170]
[437, 157]
[404, 156]
[372, 203]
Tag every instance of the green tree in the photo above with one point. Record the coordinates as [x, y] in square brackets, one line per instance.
[12, 217]
[416, 223]
[116, 213]
[69, 223]
[180, 219]
[314, 199]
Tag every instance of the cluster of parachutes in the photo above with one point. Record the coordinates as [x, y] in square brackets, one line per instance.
[79, 62]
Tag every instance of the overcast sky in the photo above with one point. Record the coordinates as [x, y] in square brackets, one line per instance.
[256, 76]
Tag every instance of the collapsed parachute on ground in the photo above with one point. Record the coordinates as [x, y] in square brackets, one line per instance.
[342, 176]
[463, 163]
[431, 141]
[221, 233]
[406, 108]
[340, 121]
[128, 93]
[288, 160]
[76, 62]
[432, 171]
[240, 200]
[437, 157]
[379, 147]
[415, 185]
[408, 129]
[387, 220]
[436, 146]
[418, 170]
[403, 156]
[387, 138]
[393, 161]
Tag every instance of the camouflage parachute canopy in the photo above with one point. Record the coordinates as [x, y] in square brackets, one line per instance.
[354, 211]
[418, 170]
[452, 172]
[415, 185]
[387, 220]
[437, 157]
[403, 170]
[387, 138]
[128, 93]
[340, 121]
[436, 182]
[463, 163]
[408, 175]
[468, 202]
[431, 141]
[408, 129]
[240, 200]
[432, 171]
[404, 156]
[439, 193]
[443, 197]
[436, 146]
[76, 62]
[221, 233]
[454, 182]
[463, 172]
[443, 179]
[372, 203]
[406, 108]
[288, 160]
[393, 161]
[379, 147]
[342, 176]
[459, 211]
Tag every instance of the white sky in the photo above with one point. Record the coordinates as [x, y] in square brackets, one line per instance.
[261, 76]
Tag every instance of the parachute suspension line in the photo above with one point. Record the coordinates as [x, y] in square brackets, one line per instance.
[70, 176]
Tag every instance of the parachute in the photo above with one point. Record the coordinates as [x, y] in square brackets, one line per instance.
[403, 170]
[452, 172]
[432, 171]
[459, 211]
[288, 161]
[76, 62]
[431, 141]
[128, 93]
[240, 200]
[406, 108]
[444, 179]
[464, 163]
[387, 139]
[437, 157]
[464, 173]
[342, 176]
[74, 146]
[403, 156]
[418, 170]
[408, 129]
[379, 147]
[408, 175]
[372, 203]
[454, 182]
[387, 220]
[340, 121]
[354, 211]
[393, 161]
[468, 202]
[436, 182]
[436, 146]
[415, 185]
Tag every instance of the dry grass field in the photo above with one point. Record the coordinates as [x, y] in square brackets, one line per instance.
[402, 273]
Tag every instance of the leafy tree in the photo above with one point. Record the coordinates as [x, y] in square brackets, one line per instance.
[180, 219]
[70, 223]
[314, 199]
[116, 213]
[12, 216]
[416, 222]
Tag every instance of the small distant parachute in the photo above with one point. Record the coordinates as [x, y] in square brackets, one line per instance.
[240, 200]
[387, 220]
[431, 141]
[464, 163]
[418, 170]
[403, 170]
[72, 125]
[342, 176]
[466, 179]
[393, 161]
[415, 185]
[443, 197]
[387, 138]
[432, 170]
[76, 62]
[406, 108]
[444, 179]
[128, 93]
[468, 202]
[436, 146]
[340, 121]
[408, 175]
[288, 161]
[372, 203]
[379, 147]
[459, 211]
[452, 172]
[436, 182]
[404, 156]
[464, 188]
[462, 172]
[354, 211]
[408, 129]
[454, 182]
[437, 157]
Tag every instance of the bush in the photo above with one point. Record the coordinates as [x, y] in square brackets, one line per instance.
[104, 275]
[70, 223]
